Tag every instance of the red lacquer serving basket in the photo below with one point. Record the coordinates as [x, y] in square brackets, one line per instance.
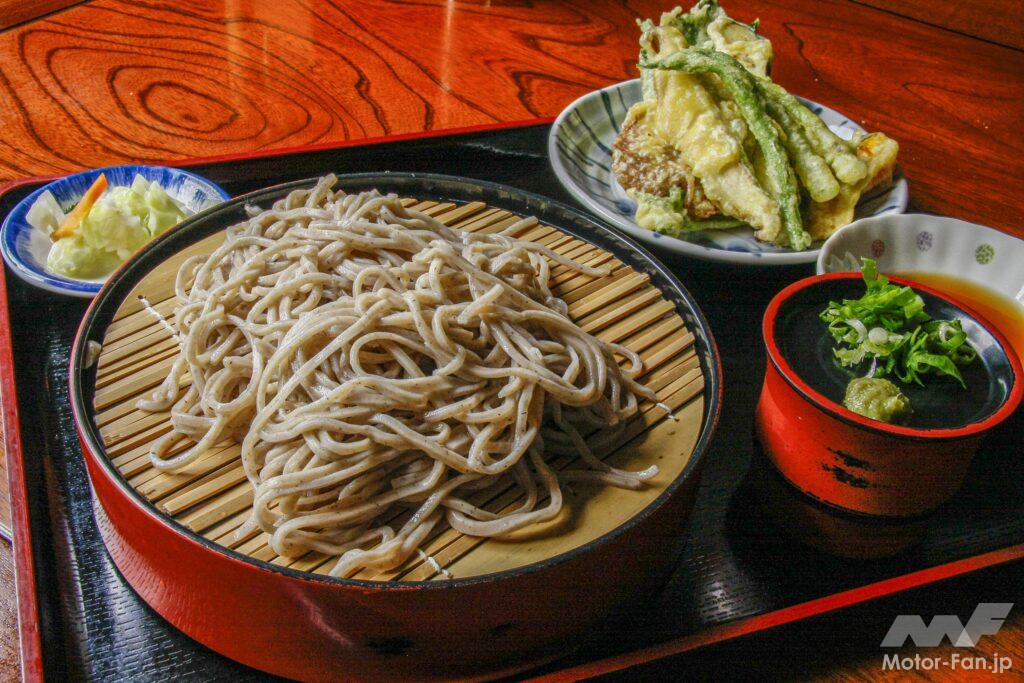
[306, 625]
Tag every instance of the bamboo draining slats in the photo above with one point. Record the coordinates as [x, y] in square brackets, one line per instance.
[622, 307]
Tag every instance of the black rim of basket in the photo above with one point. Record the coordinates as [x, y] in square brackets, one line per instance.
[426, 186]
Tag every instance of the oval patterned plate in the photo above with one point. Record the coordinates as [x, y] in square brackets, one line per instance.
[580, 148]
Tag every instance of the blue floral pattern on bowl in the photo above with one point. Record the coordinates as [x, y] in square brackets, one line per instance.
[580, 149]
[24, 248]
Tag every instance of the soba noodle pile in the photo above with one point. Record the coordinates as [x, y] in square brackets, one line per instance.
[383, 371]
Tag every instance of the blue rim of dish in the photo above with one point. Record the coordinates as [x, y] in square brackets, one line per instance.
[56, 283]
[81, 378]
[612, 98]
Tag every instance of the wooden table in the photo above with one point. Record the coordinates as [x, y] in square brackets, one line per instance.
[85, 84]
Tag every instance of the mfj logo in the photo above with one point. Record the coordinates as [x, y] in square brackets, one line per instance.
[987, 619]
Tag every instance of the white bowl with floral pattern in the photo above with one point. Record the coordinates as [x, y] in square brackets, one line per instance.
[902, 243]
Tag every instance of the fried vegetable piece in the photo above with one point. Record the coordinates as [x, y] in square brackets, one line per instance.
[847, 167]
[686, 115]
[740, 84]
[812, 169]
[645, 163]
[707, 25]
[878, 153]
[647, 90]
[669, 215]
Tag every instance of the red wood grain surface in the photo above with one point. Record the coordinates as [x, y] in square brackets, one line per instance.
[115, 81]
[98, 82]
[13, 12]
[999, 21]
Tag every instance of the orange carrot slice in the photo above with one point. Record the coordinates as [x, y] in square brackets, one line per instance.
[81, 210]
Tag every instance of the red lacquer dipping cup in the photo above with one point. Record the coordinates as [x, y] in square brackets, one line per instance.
[854, 472]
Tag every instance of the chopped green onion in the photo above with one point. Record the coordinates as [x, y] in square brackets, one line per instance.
[889, 327]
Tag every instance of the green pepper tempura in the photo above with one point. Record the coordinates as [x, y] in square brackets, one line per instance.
[779, 176]
[889, 329]
[714, 144]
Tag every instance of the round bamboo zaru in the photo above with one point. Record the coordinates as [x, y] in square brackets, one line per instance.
[139, 349]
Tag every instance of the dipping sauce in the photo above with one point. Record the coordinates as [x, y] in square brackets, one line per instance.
[1000, 310]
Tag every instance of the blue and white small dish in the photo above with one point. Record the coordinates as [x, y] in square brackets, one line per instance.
[580, 148]
[25, 248]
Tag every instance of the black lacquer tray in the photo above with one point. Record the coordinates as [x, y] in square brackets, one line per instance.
[740, 573]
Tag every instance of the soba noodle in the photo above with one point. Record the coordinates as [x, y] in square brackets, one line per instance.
[382, 371]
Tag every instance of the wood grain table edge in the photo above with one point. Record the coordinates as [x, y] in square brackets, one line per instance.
[14, 13]
[1000, 22]
[9, 655]
[25, 639]
[532, 71]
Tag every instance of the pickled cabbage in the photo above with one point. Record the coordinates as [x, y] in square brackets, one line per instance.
[117, 225]
[72, 257]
